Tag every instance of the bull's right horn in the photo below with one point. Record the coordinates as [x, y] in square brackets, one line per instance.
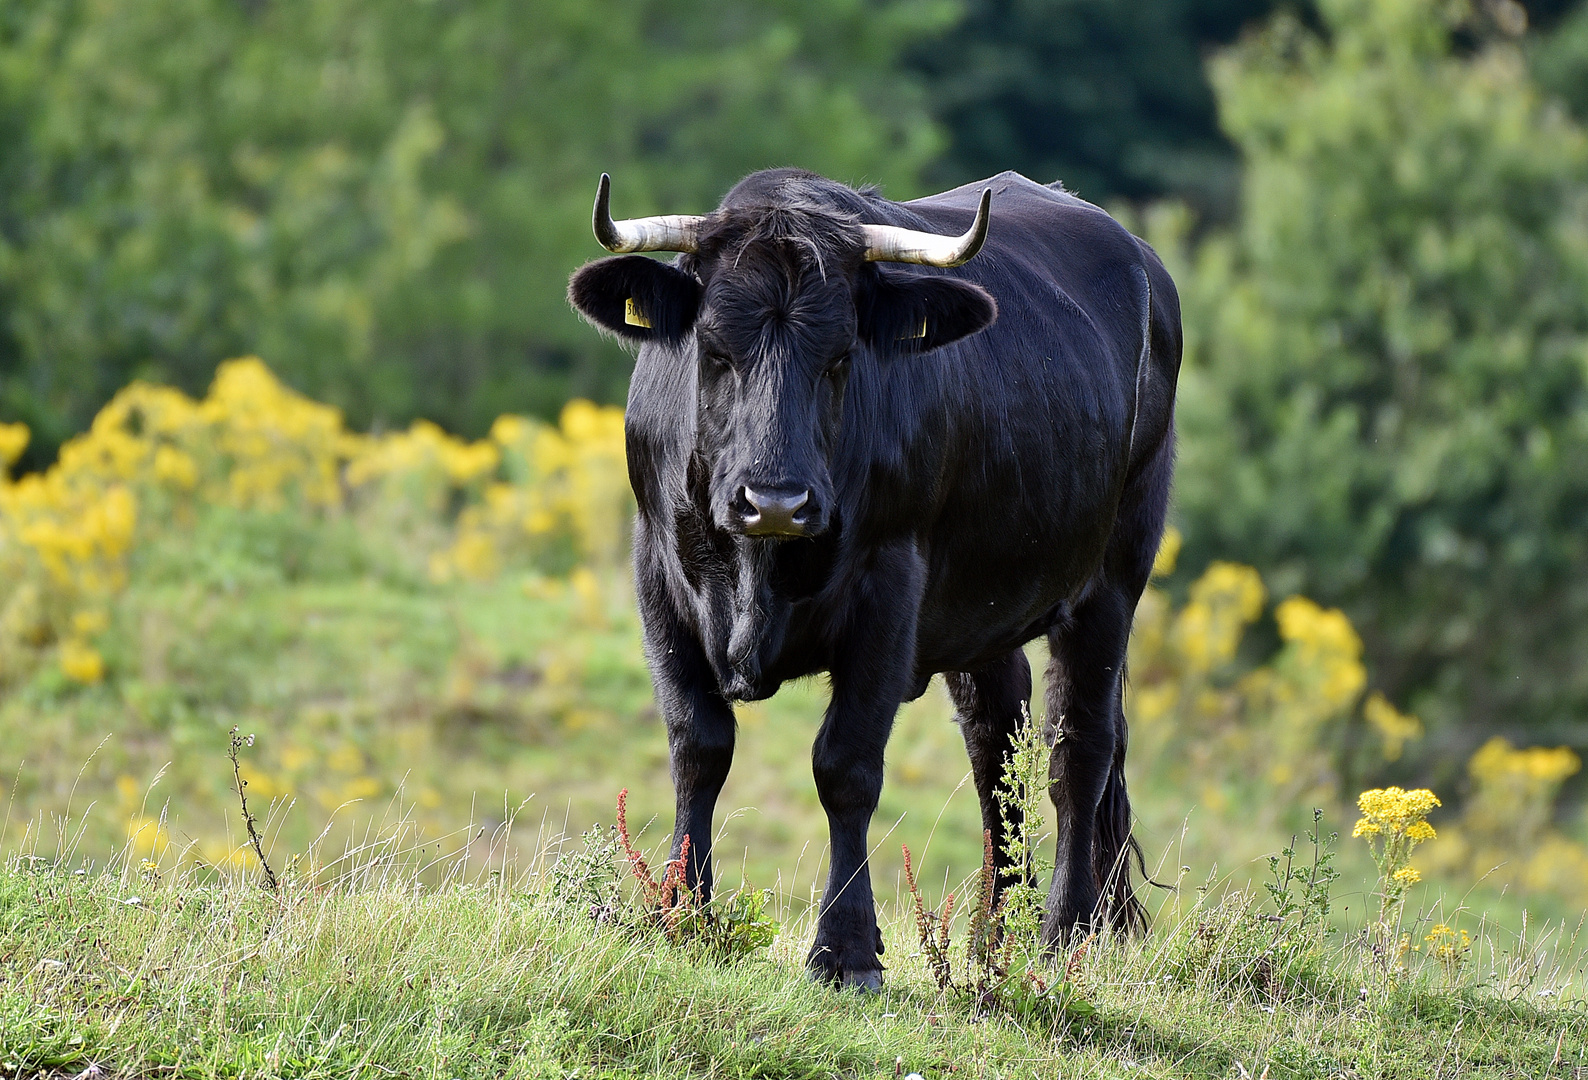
[890, 243]
[672, 232]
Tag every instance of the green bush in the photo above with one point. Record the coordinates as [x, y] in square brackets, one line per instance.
[1385, 398]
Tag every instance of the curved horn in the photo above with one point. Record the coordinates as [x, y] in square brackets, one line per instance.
[674, 232]
[889, 243]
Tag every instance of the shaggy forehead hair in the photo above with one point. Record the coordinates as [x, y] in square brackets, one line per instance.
[798, 235]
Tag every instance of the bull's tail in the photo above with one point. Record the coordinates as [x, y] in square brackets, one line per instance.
[1114, 849]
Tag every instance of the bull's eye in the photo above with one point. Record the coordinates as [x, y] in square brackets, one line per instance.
[718, 360]
[836, 369]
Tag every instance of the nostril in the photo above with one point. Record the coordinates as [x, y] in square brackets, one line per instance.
[775, 512]
[781, 503]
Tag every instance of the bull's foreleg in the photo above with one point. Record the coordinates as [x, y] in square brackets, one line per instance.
[987, 706]
[1085, 724]
[872, 669]
[700, 731]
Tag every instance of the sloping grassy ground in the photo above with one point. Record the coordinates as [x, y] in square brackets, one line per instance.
[127, 973]
[376, 694]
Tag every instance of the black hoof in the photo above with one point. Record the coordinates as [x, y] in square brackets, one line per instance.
[856, 971]
[865, 982]
[1066, 930]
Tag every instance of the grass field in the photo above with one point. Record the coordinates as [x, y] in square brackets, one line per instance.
[130, 972]
[377, 697]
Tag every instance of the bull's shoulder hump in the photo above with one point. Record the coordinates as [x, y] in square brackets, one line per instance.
[1022, 211]
[1010, 189]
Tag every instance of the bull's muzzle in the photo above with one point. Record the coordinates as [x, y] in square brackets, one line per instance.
[775, 512]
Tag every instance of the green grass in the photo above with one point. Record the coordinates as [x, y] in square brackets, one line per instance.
[402, 725]
[376, 974]
[371, 690]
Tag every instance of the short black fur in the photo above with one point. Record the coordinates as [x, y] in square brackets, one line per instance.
[824, 487]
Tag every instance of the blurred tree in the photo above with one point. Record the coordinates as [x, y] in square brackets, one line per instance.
[1109, 96]
[1559, 59]
[1385, 402]
[386, 199]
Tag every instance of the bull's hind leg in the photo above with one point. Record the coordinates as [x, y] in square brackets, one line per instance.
[1086, 773]
[1086, 723]
[987, 707]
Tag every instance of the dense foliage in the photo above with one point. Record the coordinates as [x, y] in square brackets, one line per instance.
[1107, 95]
[1385, 402]
[386, 200]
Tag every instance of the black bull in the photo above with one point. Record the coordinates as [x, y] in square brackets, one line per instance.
[884, 474]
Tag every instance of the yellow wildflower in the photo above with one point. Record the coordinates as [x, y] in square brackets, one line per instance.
[1497, 758]
[89, 623]
[1224, 600]
[1393, 821]
[13, 440]
[147, 835]
[1168, 552]
[1325, 643]
[1450, 947]
[175, 467]
[81, 662]
[1394, 727]
[1395, 809]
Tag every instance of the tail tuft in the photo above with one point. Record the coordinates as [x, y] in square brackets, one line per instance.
[1113, 851]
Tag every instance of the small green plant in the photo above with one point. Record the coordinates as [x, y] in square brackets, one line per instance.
[589, 879]
[1305, 893]
[1007, 968]
[1235, 946]
[586, 878]
[237, 743]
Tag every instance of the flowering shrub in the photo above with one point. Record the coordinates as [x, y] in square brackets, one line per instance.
[1507, 820]
[566, 497]
[1199, 712]
[154, 460]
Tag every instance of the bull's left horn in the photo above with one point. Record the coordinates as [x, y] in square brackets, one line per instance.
[673, 232]
[889, 243]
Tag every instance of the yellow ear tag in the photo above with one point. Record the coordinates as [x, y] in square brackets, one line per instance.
[921, 333]
[632, 316]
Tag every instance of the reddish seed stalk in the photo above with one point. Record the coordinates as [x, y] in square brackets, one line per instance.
[983, 930]
[670, 897]
[1072, 970]
[636, 860]
[677, 899]
[931, 929]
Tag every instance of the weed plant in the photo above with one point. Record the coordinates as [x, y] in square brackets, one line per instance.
[1006, 966]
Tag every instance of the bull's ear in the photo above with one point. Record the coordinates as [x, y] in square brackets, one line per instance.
[916, 312]
[636, 298]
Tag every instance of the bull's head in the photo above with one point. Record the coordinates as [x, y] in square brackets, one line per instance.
[773, 296]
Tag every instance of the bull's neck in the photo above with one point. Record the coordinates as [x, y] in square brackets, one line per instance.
[757, 611]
